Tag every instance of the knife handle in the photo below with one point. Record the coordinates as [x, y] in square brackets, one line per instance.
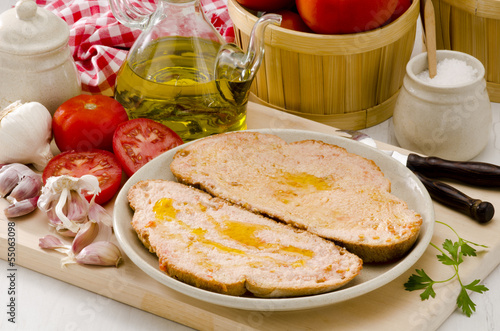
[480, 211]
[475, 173]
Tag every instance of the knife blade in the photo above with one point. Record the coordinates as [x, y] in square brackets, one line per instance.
[478, 210]
[474, 173]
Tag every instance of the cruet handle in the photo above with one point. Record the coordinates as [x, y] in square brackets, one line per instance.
[235, 65]
[131, 15]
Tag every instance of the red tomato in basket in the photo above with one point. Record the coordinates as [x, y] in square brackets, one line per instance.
[87, 122]
[138, 141]
[293, 21]
[266, 5]
[345, 16]
[401, 8]
[102, 164]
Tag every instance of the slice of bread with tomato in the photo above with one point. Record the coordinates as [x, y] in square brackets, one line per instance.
[309, 184]
[212, 244]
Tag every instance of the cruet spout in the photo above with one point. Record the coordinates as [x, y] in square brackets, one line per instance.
[236, 66]
[130, 14]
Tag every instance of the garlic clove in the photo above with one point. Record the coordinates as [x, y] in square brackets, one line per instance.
[85, 236]
[59, 207]
[9, 177]
[103, 253]
[51, 213]
[19, 182]
[99, 213]
[56, 211]
[66, 232]
[28, 187]
[50, 242]
[77, 207]
[21, 208]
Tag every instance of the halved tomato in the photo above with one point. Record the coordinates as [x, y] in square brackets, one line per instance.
[99, 163]
[138, 141]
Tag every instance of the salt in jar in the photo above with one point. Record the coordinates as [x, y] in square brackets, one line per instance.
[449, 115]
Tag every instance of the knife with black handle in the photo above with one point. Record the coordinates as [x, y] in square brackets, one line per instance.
[480, 211]
[474, 173]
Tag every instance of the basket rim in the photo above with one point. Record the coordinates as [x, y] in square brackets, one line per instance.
[321, 44]
[480, 8]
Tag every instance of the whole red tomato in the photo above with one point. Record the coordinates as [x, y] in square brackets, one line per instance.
[266, 5]
[345, 16]
[86, 122]
[291, 20]
[401, 8]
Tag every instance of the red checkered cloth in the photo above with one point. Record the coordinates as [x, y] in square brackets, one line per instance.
[99, 43]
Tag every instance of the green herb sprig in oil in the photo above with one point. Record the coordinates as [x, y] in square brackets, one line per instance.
[452, 254]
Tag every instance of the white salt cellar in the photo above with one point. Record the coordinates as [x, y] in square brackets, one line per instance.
[448, 116]
[35, 59]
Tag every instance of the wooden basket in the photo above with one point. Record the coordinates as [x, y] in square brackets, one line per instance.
[347, 81]
[472, 27]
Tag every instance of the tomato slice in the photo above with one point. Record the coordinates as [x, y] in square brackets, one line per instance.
[99, 163]
[138, 141]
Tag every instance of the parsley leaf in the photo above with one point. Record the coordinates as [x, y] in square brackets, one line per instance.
[467, 250]
[420, 282]
[465, 303]
[452, 255]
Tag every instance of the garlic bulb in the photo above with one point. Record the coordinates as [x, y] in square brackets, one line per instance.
[62, 197]
[25, 134]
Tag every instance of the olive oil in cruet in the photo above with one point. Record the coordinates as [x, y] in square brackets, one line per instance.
[180, 72]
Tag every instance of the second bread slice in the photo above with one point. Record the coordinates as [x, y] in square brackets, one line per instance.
[309, 184]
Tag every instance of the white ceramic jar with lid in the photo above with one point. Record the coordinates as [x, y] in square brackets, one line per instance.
[35, 59]
[452, 119]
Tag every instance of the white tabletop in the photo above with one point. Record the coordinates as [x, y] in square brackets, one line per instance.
[44, 303]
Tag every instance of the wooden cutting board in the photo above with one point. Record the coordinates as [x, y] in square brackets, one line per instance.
[387, 308]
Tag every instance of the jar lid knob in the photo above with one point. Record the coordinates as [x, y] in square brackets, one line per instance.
[26, 9]
[29, 29]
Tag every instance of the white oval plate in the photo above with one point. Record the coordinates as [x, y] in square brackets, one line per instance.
[404, 185]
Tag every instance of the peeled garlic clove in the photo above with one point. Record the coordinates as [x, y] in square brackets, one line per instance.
[103, 253]
[85, 236]
[21, 208]
[29, 187]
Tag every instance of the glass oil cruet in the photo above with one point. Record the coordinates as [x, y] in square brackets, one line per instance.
[182, 73]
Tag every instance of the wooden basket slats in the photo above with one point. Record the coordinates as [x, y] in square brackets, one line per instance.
[348, 81]
[472, 27]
